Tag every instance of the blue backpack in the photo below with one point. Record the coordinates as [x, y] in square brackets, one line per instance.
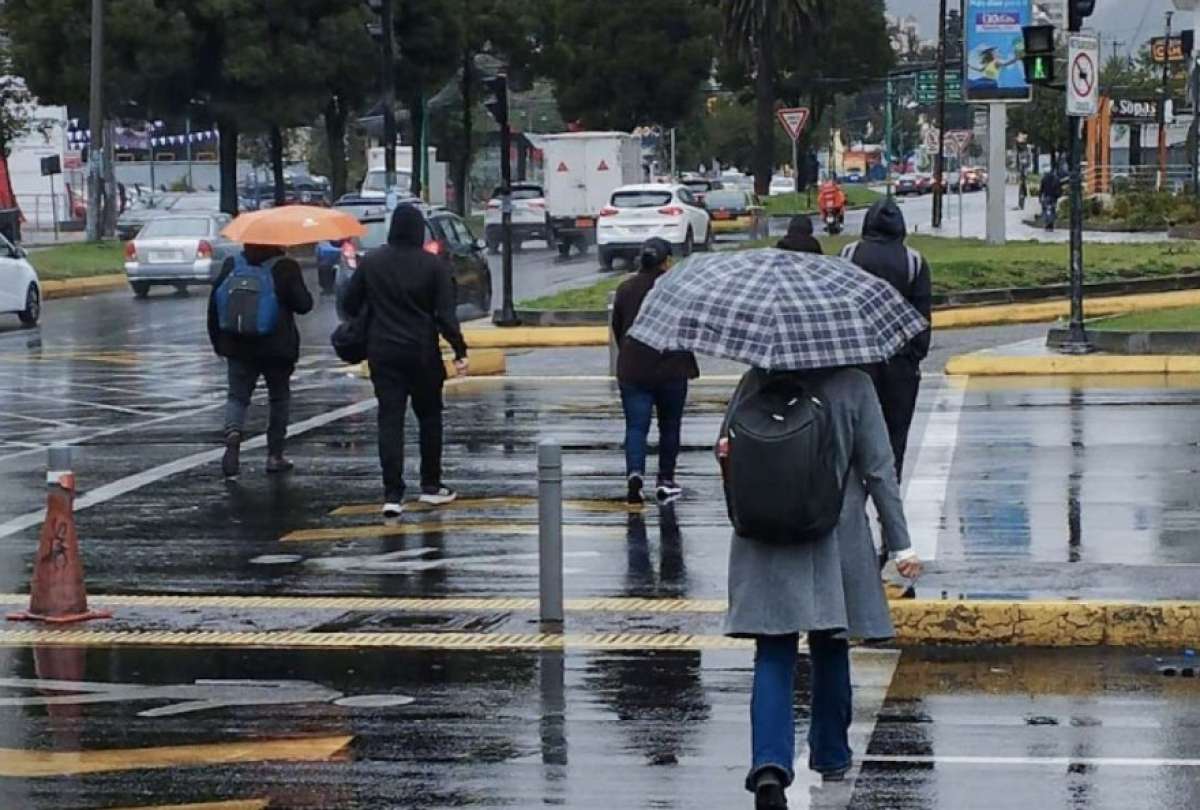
[246, 302]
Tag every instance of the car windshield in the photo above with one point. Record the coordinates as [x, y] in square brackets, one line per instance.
[377, 180]
[205, 203]
[522, 193]
[641, 199]
[726, 199]
[698, 185]
[175, 228]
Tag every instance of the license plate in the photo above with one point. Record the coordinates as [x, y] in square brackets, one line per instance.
[722, 215]
[165, 257]
[583, 223]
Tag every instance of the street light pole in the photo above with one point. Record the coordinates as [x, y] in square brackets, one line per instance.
[96, 124]
[1077, 341]
[388, 88]
[1162, 107]
[939, 163]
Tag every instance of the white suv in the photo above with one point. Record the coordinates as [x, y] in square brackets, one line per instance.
[20, 290]
[637, 213]
[529, 218]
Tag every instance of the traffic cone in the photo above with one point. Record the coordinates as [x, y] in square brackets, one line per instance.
[57, 594]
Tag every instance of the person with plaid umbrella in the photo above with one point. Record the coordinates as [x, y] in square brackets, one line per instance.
[807, 323]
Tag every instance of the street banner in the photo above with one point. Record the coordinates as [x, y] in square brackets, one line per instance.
[994, 47]
[1083, 75]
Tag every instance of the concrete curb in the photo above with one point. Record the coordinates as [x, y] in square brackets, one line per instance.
[78, 287]
[536, 337]
[990, 365]
[1048, 623]
[1046, 311]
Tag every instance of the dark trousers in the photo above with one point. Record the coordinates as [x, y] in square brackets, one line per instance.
[669, 400]
[897, 383]
[395, 383]
[772, 717]
[243, 379]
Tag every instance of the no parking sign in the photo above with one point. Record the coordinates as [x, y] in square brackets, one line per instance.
[1083, 76]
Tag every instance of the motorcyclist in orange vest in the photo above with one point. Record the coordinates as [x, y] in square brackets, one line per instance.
[831, 202]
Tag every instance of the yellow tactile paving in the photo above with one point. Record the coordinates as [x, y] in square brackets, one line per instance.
[15, 762]
[467, 504]
[305, 640]
[237, 804]
[411, 605]
[483, 527]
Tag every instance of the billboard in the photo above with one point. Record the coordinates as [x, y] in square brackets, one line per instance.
[993, 47]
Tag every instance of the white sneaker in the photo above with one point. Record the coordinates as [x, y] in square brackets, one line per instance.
[441, 497]
[393, 510]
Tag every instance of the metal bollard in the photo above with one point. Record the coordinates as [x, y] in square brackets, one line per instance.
[550, 531]
[613, 348]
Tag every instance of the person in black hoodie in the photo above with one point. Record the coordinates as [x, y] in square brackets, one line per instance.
[800, 237]
[650, 380]
[882, 253]
[272, 357]
[410, 297]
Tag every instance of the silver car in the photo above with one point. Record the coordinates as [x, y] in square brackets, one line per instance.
[179, 250]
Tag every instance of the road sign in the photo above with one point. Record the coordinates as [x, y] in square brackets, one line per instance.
[957, 140]
[1083, 73]
[794, 120]
[927, 86]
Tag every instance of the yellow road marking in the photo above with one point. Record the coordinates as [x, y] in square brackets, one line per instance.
[237, 804]
[509, 502]
[429, 641]
[617, 604]
[463, 527]
[15, 762]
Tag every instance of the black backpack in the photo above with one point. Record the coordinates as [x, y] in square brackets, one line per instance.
[782, 484]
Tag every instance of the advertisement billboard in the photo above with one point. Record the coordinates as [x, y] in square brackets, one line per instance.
[993, 47]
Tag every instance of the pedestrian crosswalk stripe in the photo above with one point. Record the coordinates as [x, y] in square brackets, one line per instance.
[237, 804]
[478, 527]
[510, 502]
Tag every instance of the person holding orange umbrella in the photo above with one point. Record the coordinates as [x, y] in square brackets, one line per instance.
[252, 318]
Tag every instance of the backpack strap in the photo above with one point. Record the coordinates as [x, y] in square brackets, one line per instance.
[849, 250]
[915, 260]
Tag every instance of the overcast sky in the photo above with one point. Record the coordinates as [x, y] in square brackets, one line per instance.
[1128, 21]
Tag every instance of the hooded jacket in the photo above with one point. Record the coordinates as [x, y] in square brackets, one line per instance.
[637, 363]
[281, 347]
[800, 237]
[883, 254]
[410, 295]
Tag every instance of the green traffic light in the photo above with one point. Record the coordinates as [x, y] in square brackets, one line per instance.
[1039, 70]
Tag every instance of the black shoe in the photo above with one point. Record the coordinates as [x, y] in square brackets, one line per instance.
[667, 490]
[635, 496]
[231, 462]
[835, 776]
[770, 796]
[278, 464]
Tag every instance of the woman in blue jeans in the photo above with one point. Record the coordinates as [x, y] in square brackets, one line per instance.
[650, 381]
[829, 589]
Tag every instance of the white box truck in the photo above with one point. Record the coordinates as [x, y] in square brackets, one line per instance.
[582, 171]
[375, 183]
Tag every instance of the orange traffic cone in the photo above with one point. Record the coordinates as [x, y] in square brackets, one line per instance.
[57, 594]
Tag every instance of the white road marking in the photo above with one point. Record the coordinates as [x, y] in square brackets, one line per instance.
[927, 484]
[64, 401]
[153, 475]
[1048, 762]
[38, 420]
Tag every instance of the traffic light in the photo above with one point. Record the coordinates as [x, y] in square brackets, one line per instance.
[497, 100]
[1039, 54]
[1077, 11]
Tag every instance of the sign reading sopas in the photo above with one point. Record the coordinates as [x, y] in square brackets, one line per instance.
[993, 50]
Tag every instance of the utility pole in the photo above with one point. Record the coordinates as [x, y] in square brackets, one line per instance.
[1077, 341]
[887, 133]
[497, 105]
[96, 124]
[388, 87]
[1162, 107]
[939, 163]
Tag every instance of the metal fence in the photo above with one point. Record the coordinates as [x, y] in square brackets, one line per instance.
[39, 211]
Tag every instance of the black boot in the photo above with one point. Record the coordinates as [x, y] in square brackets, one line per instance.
[768, 793]
[231, 462]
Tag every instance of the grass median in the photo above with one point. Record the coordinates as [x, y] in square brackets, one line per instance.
[78, 260]
[971, 264]
[793, 203]
[1163, 320]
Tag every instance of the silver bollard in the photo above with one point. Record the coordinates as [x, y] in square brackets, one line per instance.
[550, 533]
[613, 348]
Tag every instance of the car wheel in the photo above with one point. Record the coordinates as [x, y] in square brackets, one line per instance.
[141, 289]
[181, 289]
[564, 249]
[486, 299]
[33, 307]
[689, 244]
[708, 240]
[606, 260]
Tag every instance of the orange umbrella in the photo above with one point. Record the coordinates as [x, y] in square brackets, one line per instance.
[293, 225]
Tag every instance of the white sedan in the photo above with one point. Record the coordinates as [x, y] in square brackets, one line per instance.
[529, 219]
[637, 213]
[781, 185]
[20, 289]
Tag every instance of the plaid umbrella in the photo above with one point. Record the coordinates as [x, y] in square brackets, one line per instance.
[777, 310]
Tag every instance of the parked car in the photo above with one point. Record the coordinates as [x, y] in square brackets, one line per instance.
[907, 184]
[973, 178]
[20, 289]
[638, 212]
[854, 176]
[781, 185]
[529, 218]
[137, 215]
[179, 250]
[732, 210]
[446, 235]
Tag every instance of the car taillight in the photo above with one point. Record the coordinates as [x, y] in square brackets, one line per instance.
[433, 247]
[204, 250]
[130, 251]
[350, 254]
[537, 204]
[671, 211]
[608, 211]
[493, 205]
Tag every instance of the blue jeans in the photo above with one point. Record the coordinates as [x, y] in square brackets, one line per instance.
[772, 718]
[669, 400]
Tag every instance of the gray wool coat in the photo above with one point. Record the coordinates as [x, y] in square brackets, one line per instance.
[834, 583]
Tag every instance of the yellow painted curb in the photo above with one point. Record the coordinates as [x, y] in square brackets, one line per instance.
[484, 363]
[76, 287]
[536, 337]
[991, 365]
[1046, 311]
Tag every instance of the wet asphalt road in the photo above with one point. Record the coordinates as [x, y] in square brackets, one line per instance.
[1021, 487]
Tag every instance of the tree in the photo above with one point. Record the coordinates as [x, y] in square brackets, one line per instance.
[628, 63]
[342, 39]
[754, 31]
[17, 105]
